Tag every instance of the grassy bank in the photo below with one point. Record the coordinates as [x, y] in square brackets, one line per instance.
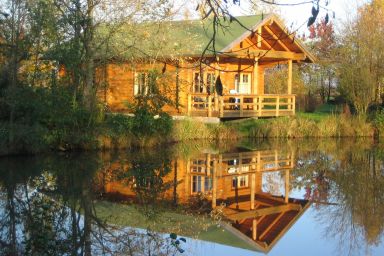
[304, 127]
[184, 224]
[120, 131]
[299, 126]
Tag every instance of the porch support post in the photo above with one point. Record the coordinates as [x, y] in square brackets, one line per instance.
[254, 229]
[289, 76]
[221, 106]
[209, 105]
[253, 190]
[214, 184]
[286, 199]
[256, 77]
[189, 103]
[217, 74]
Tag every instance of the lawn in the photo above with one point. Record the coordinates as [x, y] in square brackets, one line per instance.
[166, 221]
[321, 112]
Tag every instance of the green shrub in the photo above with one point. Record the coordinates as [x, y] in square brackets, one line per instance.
[146, 123]
[378, 122]
[118, 125]
[164, 125]
[46, 117]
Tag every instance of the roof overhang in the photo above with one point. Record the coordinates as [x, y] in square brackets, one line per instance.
[305, 55]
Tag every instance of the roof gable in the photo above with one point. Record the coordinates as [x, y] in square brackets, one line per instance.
[270, 34]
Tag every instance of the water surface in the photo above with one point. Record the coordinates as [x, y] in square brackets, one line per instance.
[298, 197]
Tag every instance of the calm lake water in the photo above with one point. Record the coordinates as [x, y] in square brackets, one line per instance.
[298, 197]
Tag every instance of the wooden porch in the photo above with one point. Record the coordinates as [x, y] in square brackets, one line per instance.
[240, 105]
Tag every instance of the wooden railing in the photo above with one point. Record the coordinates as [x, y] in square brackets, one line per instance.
[241, 105]
[246, 162]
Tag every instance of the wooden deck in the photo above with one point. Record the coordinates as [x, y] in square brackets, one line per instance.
[267, 222]
[241, 105]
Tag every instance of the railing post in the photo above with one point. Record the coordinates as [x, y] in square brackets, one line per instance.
[189, 104]
[216, 103]
[209, 105]
[293, 99]
[254, 100]
[277, 105]
[260, 104]
[276, 160]
[241, 105]
[221, 114]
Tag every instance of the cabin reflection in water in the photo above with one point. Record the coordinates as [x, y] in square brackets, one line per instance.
[236, 184]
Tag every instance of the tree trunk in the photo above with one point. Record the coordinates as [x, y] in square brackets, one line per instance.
[87, 222]
[89, 90]
[16, 25]
[329, 86]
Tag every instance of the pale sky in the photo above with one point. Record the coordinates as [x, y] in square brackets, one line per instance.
[297, 15]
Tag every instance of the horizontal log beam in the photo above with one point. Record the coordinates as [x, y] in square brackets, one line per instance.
[269, 54]
[278, 54]
[264, 211]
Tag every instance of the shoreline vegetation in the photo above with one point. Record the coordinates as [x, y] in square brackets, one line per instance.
[120, 131]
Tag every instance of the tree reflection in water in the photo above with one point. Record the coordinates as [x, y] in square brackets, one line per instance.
[346, 183]
[47, 208]
[143, 172]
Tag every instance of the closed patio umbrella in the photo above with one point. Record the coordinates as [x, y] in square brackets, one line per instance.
[219, 86]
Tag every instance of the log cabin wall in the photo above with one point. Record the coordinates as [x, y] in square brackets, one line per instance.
[184, 180]
[120, 79]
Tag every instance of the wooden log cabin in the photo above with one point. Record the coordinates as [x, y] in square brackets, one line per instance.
[224, 79]
[236, 183]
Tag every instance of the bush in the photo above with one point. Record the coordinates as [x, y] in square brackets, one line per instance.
[46, 118]
[147, 123]
[378, 122]
[118, 125]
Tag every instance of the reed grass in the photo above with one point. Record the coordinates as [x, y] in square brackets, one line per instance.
[302, 127]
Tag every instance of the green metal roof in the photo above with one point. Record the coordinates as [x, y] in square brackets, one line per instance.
[202, 32]
[177, 38]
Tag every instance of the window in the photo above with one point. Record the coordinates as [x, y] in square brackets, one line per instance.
[198, 166]
[208, 184]
[233, 161]
[197, 83]
[201, 166]
[243, 83]
[198, 169]
[197, 184]
[141, 84]
[145, 83]
[245, 78]
[237, 82]
[201, 184]
[204, 82]
[240, 181]
[210, 83]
